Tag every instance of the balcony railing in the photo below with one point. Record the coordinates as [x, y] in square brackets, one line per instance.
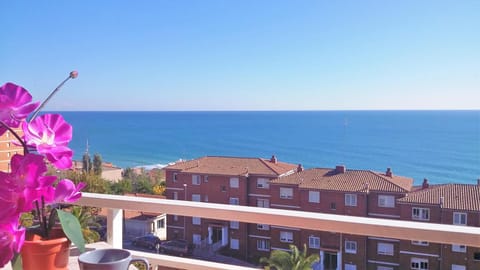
[408, 230]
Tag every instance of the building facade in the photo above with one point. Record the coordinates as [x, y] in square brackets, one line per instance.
[226, 180]
[8, 148]
[340, 191]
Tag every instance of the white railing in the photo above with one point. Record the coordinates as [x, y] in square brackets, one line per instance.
[408, 230]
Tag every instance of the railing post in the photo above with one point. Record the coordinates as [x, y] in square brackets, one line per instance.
[115, 227]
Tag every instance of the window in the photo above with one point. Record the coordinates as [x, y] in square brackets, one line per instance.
[351, 199]
[175, 218]
[386, 201]
[196, 179]
[262, 183]
[263, 203]
[458, 267]
[286, 237]
[351, 247]
[384, 268]
[419, 264]
[459, 218]
[196, 198]
[350, 266]
[205, 198]
[196, 221]
[313, 196]
[175, 195]
[263, 227]
[420, 213]
[286, 193]
[205, 179]
[385, 249]
[419, 243]
[333, 206]
[459, 248]
[476, 256]
[234, 243]
[223, 188]
[175, 175]
[234, 225]
[234, 182]
[263, 244]
[313, 242]
[161, 223]
[234, 201]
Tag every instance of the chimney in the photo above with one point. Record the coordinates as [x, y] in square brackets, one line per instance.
[300, 168]
[389, 172]
[340, 169]
[273, 159]
[425, 183]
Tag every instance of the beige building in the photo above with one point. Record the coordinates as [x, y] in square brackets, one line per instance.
[8, 148]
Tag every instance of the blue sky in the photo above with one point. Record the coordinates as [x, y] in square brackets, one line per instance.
[245, 55]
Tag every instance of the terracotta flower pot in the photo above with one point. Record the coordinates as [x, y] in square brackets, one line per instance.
[51, 254]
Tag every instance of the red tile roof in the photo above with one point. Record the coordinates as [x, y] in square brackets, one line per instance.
[233, 166]
[455, 196]
[350, 181]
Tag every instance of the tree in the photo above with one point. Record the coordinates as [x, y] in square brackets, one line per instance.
[86, 163]
[293, 260]
[143, 186]
[97, 164]
[128, 173]
[121, 187]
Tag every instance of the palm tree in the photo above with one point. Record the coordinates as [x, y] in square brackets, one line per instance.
[293, 260]
[86, 221]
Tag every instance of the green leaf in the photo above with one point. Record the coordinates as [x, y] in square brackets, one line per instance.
[17, 262]
[71, 228]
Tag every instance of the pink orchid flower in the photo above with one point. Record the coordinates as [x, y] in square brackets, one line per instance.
[66, 191]
[50, 134]
[25, 184]
[15, 105]
[27, 172]
[11, 240]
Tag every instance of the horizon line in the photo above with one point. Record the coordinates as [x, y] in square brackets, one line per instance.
[319, 110]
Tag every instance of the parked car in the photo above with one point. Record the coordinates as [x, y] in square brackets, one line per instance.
[176, 247]
[148, 241]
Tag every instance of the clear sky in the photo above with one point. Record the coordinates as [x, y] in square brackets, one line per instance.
[245, 55]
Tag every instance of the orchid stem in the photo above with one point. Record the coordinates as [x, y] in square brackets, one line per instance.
[45, 225]
[72, 75]
[39, 213]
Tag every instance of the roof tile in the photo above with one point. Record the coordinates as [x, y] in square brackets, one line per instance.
[455, 196]
[233, 166]
[350, 181]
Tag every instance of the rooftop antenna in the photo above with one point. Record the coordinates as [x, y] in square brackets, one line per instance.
[86, 149]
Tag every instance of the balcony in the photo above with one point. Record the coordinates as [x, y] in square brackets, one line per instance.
[408, 230]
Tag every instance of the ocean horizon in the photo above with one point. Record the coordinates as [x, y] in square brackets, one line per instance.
[440, 145]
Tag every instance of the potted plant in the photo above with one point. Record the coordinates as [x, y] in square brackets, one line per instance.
[27, 188]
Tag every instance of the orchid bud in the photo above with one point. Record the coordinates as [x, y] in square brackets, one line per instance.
[74, 74]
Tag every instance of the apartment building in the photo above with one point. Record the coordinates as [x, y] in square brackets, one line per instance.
[365, 193]
[227, 180]
[8, 148]
[344, 192]
[457, 204]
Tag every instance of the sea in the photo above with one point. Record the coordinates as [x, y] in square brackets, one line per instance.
[441, 146]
